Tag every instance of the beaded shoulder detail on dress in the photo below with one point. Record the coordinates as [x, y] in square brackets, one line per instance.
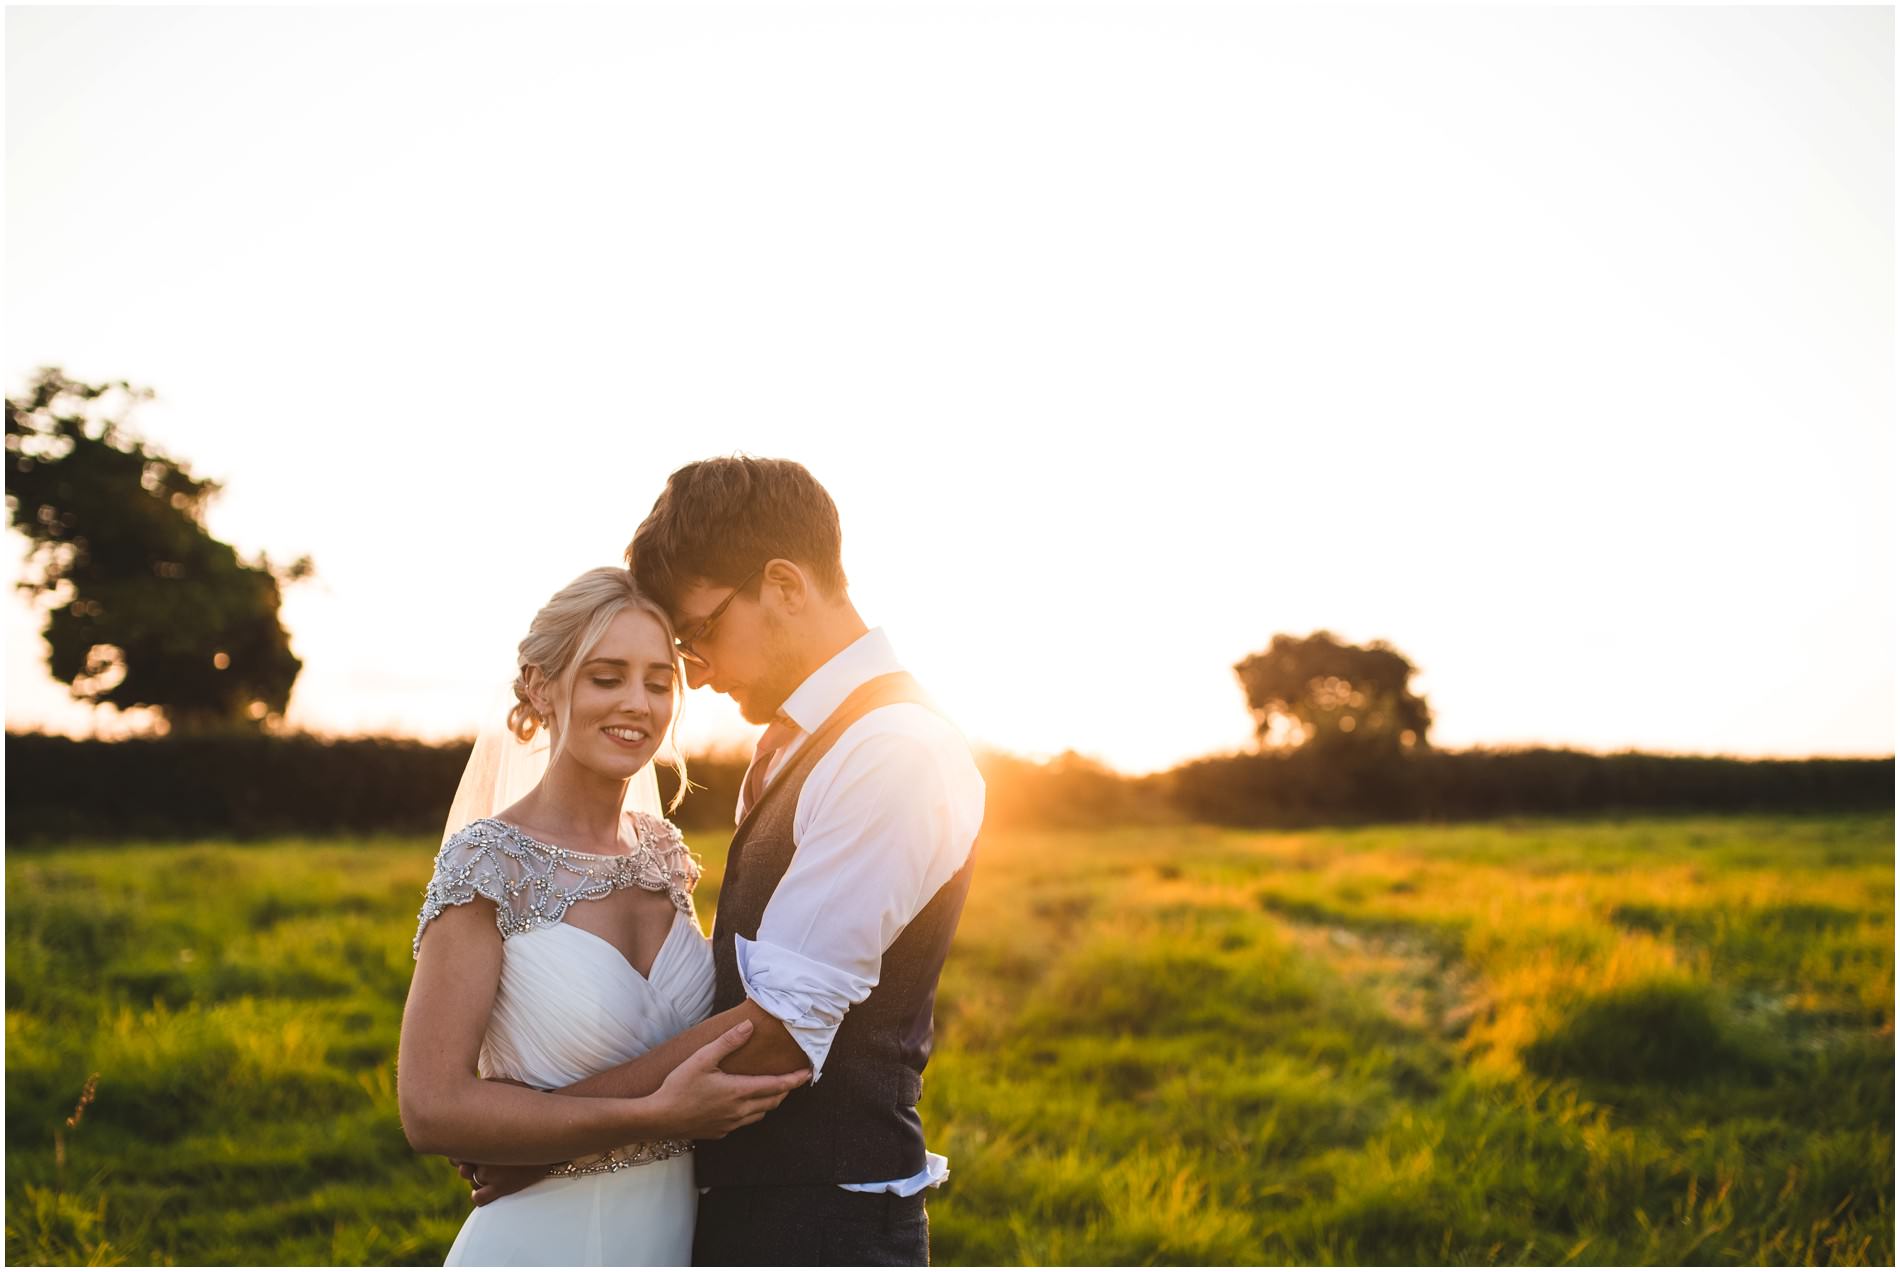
[532, 883]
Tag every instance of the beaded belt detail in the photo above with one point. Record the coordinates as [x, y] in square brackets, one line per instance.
[623, 1158]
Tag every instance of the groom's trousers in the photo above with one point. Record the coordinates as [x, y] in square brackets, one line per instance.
[810, 1226]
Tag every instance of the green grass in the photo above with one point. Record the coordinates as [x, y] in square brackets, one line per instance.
[1597, 1042]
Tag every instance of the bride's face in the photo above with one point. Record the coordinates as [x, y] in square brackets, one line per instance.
[622, 698]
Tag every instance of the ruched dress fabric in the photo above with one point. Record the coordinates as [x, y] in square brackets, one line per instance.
[568, 1006]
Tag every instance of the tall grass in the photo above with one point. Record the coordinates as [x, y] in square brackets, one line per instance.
[1647, 1042]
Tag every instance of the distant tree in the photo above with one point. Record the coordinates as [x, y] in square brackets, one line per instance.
[1318, 691]
[148, 609]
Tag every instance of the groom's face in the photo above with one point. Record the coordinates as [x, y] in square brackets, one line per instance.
[747, 651]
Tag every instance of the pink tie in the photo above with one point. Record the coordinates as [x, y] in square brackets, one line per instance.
[776, 735]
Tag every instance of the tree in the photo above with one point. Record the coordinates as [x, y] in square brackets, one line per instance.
[148, 610]
[1317, 691]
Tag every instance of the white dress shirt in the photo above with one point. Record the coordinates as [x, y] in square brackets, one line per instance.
[884, 819]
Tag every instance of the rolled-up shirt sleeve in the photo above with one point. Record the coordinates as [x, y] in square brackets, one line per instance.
[808, 997]
[878, 835]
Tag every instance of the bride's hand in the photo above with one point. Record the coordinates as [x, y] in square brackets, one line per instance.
[698, 1100]
[702, 1101]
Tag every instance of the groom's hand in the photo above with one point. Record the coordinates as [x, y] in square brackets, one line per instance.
[492, 1182]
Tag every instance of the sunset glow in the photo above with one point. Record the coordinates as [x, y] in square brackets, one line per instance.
[1553, 345]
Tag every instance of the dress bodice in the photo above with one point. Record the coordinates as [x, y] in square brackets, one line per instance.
[532, 883]
[569, 1004]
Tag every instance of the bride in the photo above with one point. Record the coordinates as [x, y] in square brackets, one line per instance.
[558, 939]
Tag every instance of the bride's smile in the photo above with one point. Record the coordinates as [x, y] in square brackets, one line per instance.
[620, 700]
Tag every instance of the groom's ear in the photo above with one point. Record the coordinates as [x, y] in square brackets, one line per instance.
[785, 587]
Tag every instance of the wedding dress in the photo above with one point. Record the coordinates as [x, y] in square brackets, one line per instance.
[569, 1005]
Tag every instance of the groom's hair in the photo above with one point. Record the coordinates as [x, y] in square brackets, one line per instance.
[719, 520]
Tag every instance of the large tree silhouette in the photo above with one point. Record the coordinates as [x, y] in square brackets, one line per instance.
[1318, 691]
[148, 609]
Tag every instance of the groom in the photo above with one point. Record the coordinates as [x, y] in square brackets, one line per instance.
[847, 873]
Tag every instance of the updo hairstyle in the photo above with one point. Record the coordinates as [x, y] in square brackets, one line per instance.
[558, 642]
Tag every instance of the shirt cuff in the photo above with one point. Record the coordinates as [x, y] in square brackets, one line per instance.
[808, 997]
[936, 1170]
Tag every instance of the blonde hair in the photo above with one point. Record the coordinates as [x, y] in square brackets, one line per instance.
[558, 642]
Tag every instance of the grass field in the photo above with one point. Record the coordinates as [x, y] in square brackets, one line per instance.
[1657, 1041]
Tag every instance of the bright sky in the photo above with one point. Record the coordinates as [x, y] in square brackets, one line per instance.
[1554, 345]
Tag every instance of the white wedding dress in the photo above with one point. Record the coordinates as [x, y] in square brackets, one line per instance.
[570, 1005]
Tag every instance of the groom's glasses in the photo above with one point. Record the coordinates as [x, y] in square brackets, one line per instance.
[703, 629]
